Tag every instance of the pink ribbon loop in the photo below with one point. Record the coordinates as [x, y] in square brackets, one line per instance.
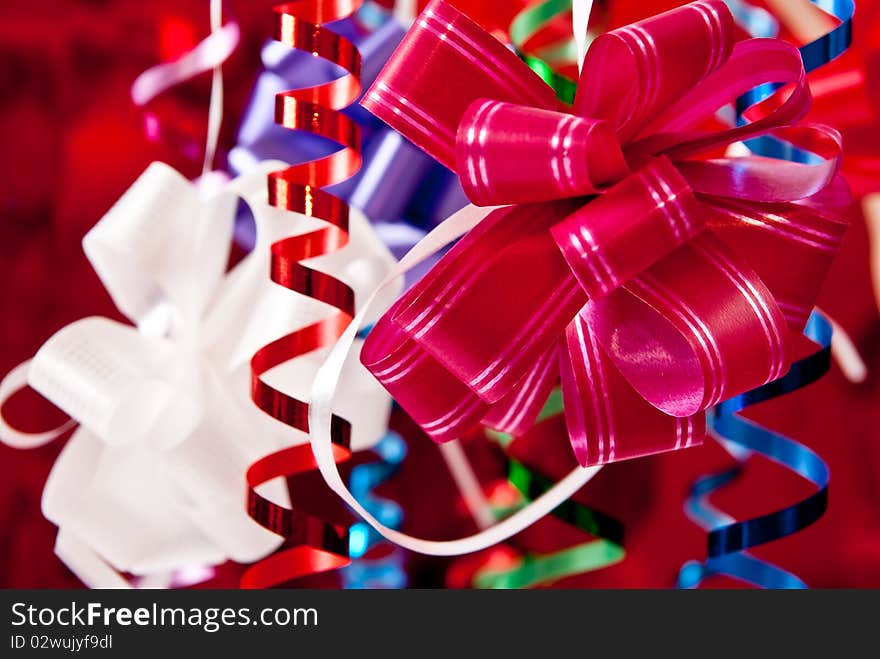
[633, 72]
[466, 63]
[651, 277]
[606, 418]
[636, 223]
[568, 156]
[685, 350]
[751, 63]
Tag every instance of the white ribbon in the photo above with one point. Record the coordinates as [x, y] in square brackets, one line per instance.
[324, 396]
[153, 480]
[580, 21]
[208, 55]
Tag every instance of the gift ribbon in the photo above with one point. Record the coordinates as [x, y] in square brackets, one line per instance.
[401, 189]
[814, 54]
[147, 484]
[444, 42]
[313, 544]
[541, 569]
[530, 22]
[728, 539]
[208, 55]
[759, 23]
[387, 571]
[586, 296]
[391, 451]
[144, 485]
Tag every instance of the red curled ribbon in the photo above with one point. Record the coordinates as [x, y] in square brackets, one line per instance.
[653, 275]
[312, 543]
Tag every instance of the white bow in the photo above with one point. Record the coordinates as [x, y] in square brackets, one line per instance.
[153, 481]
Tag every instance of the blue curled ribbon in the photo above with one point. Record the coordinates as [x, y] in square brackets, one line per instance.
[759, 23]
[388, 571]
[728, 539]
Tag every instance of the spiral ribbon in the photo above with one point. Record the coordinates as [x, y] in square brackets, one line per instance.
[313, 543]
[532, 20]
[401, 189]
[814, 54]
[387, 571]
[728, 539]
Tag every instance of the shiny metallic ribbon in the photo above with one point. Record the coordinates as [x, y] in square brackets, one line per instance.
[531, 21]
[534, 460]
[403, 191]
[387, 571]
[670, 265]
[313, 542]
[814, 54]
[728, 539]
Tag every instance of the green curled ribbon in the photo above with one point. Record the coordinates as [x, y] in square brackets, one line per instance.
[529, 22]
[540, 569]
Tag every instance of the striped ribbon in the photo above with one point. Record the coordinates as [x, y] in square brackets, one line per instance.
[728, 539]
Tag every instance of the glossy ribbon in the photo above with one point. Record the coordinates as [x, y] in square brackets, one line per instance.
[313, 543]
[814, 54]
[672, 264]
[728, 539]
[150, 483]
[531, 21]
[366, 571]
[403, 191]
[535, 460]
[328, 378]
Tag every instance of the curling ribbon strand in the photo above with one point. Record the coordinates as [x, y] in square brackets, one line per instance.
[531, 21]
[207, 55]
[313, 544]
[728, 539]
[387, 571]
[543, 569]
[814, 54]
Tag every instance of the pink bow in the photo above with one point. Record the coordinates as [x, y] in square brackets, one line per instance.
[654, 275]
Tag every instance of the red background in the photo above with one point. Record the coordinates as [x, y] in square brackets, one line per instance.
[73, 142]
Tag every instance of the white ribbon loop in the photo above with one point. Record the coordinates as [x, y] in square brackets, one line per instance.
[324, 399]
[99, 372]
[15, 381]
[153, 481]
